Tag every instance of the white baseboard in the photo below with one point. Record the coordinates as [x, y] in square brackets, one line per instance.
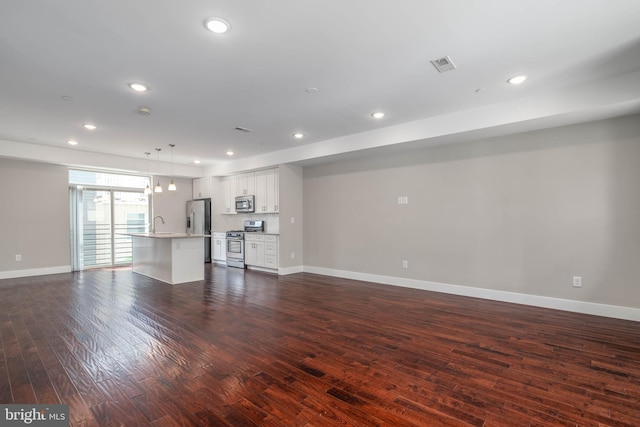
[290, 270]
[263, 269]
[34, 272]
[614, 311]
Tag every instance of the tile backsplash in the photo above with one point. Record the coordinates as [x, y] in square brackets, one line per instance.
[236, 222]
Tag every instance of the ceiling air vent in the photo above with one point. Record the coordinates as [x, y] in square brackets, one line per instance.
[241, 129]
[443, 64]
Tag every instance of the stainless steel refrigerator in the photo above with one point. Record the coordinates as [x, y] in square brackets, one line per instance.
[199, 222]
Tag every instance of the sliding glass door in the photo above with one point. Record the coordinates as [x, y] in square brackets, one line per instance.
[96, 228]
[99, 217]
[130, 215]
[105, 215]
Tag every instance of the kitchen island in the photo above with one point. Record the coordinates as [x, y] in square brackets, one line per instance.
[169, 257]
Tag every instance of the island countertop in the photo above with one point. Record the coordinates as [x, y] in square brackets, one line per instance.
[166, 235]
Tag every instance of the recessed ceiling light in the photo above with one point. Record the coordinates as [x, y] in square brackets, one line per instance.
[72, 142]
[298, 135]
[378, 115]
[230, 153]
[197, 162]
[311, 90]
[517, 79]
[138, 87]
[217, 25]
[89, 126]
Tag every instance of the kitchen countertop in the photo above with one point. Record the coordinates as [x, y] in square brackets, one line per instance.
[166, 235]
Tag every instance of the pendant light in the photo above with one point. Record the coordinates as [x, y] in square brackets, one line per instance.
[147, 189]
[158, 188]
[172, 185]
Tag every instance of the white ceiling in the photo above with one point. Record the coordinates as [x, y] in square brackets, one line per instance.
[582, 58]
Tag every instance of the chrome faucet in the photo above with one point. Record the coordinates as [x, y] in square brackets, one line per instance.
[154, 222]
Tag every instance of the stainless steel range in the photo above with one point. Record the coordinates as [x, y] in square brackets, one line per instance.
[235, 249]
[235, 242]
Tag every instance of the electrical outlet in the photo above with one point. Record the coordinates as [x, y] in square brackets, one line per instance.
[405, 200]
[405, 263]
[18, 257]
[293, 220]
[577, 281]
[293, 255]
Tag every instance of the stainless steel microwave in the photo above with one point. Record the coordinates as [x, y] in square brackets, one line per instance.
[245, 204]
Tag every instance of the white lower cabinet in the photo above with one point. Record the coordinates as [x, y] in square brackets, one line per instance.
[271, 252]
[219, 248]
[261, 250]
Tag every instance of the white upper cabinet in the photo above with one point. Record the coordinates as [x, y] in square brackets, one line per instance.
[261, 184]
[202, 188]
[267, 191]
[246, 184]
[228, 194]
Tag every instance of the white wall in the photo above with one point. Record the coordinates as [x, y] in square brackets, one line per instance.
[172, 205]
[521, 213]
[34, 218]
[291, 246]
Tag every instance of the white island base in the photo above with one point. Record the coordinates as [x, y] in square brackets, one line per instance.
[170, 257]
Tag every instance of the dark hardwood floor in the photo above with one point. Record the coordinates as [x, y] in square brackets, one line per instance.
[244, 348]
